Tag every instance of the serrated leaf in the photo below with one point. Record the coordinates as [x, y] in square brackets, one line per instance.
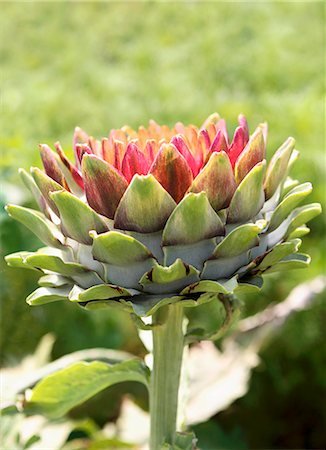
[45, 230]
[290, 201]
[248, 198]
[77, 218]
[63, 390]
[193, 220]
[44, 295]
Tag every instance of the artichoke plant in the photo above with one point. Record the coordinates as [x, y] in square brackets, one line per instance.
[163, 216]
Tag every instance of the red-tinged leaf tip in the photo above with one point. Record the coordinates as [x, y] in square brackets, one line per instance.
[213, 118]
[144, 207]
[150, 150]
[204, 136]
[80, 136]
[237, 145]
[113, 151]
[96, 146]
[72, 169]
[81, 149]
[172, 171]
[217, 180]
[51, 165]
[134, 162]
[180, 144]
[203, 146]
[221, 125]
[180, 128]
[104, 185]
[253, 153]
[264, 129]
[218, 145]
[244, 124]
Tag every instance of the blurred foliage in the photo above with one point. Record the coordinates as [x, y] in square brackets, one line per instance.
[100, 65]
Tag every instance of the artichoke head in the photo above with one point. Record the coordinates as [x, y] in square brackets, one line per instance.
[161, 215]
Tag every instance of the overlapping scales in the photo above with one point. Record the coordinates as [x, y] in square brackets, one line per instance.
[149, 217]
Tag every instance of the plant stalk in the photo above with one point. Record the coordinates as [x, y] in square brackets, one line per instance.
[168, 344]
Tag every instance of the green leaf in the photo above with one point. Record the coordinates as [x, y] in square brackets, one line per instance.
[291, 262]
[299, 232]
[290, 201]
[118, 248]
[193, 254]
[250, 285]
[248, 198]
[18, 259]
[193, 220]
[53, 280]
[277, 168]
[31, 185]
[45, 230]
[302, 215]
[77, 218]
[239, 240]
[232, 253]
[99, 292]
[46, 185]
[56, 394]
[288, 185]
[162, 279]
[54, 264]
[279, 252]
[216, 287]
[145, 206]
[217, 180]
[144, 305]
[44, 295]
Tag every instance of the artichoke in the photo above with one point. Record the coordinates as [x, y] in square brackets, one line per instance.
[162, 215]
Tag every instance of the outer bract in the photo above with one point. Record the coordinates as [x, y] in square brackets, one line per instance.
[160, 215]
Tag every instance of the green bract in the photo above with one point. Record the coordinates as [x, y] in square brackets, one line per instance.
[157, 216]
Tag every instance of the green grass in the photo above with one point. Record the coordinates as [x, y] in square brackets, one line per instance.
[101, 65]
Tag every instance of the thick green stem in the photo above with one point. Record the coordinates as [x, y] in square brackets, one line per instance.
[168, 343]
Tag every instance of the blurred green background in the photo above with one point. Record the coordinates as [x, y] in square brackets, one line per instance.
[103, 65]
